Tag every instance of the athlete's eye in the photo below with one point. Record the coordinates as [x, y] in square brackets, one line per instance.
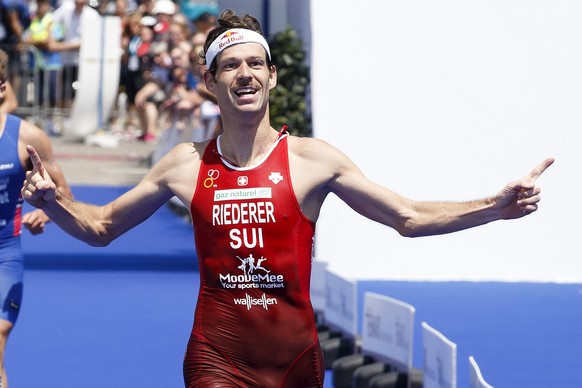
[257, 64]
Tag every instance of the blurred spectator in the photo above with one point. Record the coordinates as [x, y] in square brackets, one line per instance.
[146, 8]
[163, 10]
[178, 36]
[151, 95]
[119, 8]
[14, 20]
[8, 102]
[69, 16]
[136, 39]
[206, 120]
[42, 34]
[126, 7]
[204, 23]
[179, 18]
[181, 101]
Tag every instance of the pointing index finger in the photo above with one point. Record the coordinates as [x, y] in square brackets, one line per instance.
[536, 172]
[35, 159]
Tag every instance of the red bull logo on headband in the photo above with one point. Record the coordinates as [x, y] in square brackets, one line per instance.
[228, 38]
[228, 34]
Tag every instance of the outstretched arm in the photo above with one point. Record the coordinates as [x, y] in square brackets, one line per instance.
[96, 225]
[416, 218]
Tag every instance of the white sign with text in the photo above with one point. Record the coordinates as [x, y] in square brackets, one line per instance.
[340, 303]
[388, 329]
[440, 359]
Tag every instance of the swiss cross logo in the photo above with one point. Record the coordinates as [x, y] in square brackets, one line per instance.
[242, 180]
[275, 177]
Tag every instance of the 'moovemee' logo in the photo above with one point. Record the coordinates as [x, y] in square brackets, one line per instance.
[253, 275]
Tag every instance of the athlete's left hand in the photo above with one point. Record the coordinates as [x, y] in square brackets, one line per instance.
[521, 197]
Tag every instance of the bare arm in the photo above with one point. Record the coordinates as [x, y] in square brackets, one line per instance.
[99, 225]
[46, 44]
[14, 22]
[71, 45]
[413, 218]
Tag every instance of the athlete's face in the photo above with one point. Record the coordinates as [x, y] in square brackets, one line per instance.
[243, 78]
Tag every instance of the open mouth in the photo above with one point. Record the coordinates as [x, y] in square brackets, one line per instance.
[246, 91]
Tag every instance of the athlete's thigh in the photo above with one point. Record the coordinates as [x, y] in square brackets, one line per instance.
[11, 284]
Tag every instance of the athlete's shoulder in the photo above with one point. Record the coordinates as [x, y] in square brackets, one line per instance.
[33, 135]
[307, 145]
[314, 149]
[188, 150]
[178, 169]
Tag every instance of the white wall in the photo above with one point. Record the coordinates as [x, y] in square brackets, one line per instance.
[450, 100]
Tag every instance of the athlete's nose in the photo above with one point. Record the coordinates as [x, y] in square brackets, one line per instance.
[244, 72]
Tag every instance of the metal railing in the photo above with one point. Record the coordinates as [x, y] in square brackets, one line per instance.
[44, 98]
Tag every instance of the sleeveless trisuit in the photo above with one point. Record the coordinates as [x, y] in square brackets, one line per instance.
[254, 324]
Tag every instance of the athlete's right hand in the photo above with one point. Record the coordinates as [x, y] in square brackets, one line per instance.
[38, 188]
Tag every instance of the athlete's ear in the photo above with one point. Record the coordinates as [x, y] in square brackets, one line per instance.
[272, 77]
[209, 81]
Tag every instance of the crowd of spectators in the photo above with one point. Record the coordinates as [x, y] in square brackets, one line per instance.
[160, 75]
[160, 72]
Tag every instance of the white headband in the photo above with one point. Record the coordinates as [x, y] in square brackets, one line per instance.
[232, 37]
